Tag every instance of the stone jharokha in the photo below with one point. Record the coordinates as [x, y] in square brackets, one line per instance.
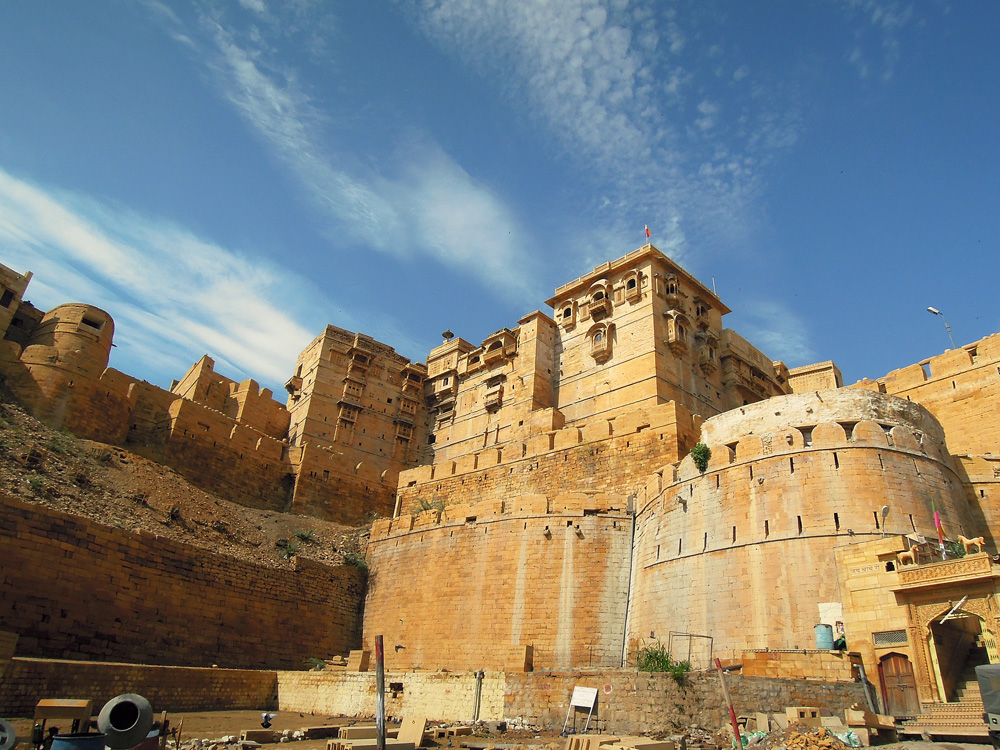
[537, 503]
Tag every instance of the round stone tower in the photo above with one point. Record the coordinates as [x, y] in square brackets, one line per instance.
[74, 338]
[744, 551]
[61, 383]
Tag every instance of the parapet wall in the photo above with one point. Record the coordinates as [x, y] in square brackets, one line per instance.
[27, 681]
[328, 487]
[471, 587]
[605, 455]
[713, 549]
[961, 388]
[981, 478]
[73, 589]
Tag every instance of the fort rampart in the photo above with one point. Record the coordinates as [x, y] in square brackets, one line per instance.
[28, 681]
[789, 480]
[471, 587]
[605, 455]
[961, 388]
[73, 589]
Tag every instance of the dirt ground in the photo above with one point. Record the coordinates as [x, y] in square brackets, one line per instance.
[211, 726]
[115, 487]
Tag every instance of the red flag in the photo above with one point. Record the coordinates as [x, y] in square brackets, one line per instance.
[647, 231]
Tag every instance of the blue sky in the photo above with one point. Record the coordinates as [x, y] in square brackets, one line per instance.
[229, 177]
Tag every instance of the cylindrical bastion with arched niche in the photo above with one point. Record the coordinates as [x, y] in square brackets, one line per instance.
[63, 362]
[74, 338]
[744, 551]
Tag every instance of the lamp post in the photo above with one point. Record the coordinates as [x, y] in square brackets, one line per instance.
[935, 311]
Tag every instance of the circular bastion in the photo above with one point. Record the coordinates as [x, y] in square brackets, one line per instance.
[744, 551]
[74, 338]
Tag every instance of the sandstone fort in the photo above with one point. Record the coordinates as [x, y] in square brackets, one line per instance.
[534, 503]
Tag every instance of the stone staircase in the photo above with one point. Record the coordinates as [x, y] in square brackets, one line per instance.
[963, 717]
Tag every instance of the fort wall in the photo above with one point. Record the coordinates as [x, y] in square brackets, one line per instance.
[961, 388]
[245, 402]
[12, 286]
[604, 455]
[714, 550]
[472, 587]
[166, 688]
[329, 487]
[981, 480]
[73, 589]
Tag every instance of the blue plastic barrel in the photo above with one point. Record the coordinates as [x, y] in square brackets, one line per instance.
[78, 741]
[824, 637]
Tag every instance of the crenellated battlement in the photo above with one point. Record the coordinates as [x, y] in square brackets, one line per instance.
[566, 505]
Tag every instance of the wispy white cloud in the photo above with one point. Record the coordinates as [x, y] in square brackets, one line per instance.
[417, 201]
[618, 87]
[173, 295]
[883, 19]
[257, 6]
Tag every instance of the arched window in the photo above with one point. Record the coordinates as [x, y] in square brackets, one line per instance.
[567, 313]
[598, 337]
[598, 296]
[630, 285]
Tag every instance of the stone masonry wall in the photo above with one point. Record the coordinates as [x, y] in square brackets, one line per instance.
[446, 696]
[74, 589]
[628, 701]
[604, 456]
[472, 590]
[167, 688]
[961, 388]
[713, 549]
[632, 702]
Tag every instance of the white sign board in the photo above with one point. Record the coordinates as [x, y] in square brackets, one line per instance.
[584, 697]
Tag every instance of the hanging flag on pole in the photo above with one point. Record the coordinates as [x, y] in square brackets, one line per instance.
[940, 530]
[647, 233]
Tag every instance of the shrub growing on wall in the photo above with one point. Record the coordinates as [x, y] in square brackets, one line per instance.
[656, 658]
[701, 453]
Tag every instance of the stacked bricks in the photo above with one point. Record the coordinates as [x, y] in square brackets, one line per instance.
[74, 589]
[828, 666]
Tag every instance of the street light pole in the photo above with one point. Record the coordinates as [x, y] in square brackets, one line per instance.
[935, 311]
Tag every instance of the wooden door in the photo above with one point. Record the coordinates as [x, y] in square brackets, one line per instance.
[899, 688]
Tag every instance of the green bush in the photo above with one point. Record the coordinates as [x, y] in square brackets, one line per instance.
[656, 658]
[290, 550]
[427, 505]
[306, 535]
[356, 559]
[700, 454]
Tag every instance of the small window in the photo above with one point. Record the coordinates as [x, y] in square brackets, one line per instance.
[91, 323]
[445, 380]
[598, 337]
[567, 313]
[630, 285]
[889, 638]
[598, 296]
[6, 298]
